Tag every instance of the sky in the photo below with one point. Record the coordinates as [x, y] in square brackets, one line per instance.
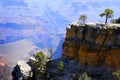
[42, 23]
[49, 15]
[27, 11]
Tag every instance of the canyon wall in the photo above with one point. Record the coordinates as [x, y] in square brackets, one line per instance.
[93, 44]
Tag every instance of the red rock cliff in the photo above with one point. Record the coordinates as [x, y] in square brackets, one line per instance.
[93, 44]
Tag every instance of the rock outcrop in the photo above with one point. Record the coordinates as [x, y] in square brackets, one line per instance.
[34, 69]
[93, 44]
[22, 71]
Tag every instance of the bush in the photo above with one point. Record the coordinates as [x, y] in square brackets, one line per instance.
[60, 66]
[40, 62]
[84, 76]
[117, 75]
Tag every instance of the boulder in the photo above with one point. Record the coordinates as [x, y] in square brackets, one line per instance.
[22, 71]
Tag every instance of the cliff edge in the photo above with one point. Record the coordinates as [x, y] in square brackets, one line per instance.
[93, 44]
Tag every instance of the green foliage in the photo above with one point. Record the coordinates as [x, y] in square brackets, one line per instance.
[108, 13]
[40, 62]
[117, 75]
[60, 66]
[83, 18]
[102, 14]
[39, 56]
[84, 76]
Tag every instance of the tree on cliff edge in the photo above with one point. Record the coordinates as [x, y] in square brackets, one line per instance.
[108, 13]
[83, 18]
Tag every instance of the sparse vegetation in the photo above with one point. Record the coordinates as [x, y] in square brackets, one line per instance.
[83, 18]
[108, 13]
[84, 76]
[60, 66]
[40, 62]
[117, 75]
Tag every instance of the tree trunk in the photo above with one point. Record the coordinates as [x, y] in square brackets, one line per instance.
[106, 19]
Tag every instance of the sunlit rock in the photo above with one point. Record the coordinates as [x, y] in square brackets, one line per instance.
[2, 61]
[22, 71]
[93, 44]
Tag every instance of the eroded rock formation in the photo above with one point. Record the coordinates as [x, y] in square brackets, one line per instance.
[93, 44]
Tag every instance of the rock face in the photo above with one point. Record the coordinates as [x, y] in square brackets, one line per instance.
[93, 44]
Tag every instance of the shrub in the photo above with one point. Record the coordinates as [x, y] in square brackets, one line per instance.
[117, 75]
[60, 66]
[84, 76]
[40, 63]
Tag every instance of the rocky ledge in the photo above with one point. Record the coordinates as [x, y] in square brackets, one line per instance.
[93, 44]
[73, 70]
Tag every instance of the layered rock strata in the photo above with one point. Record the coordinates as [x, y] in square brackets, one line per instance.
[93, 44]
